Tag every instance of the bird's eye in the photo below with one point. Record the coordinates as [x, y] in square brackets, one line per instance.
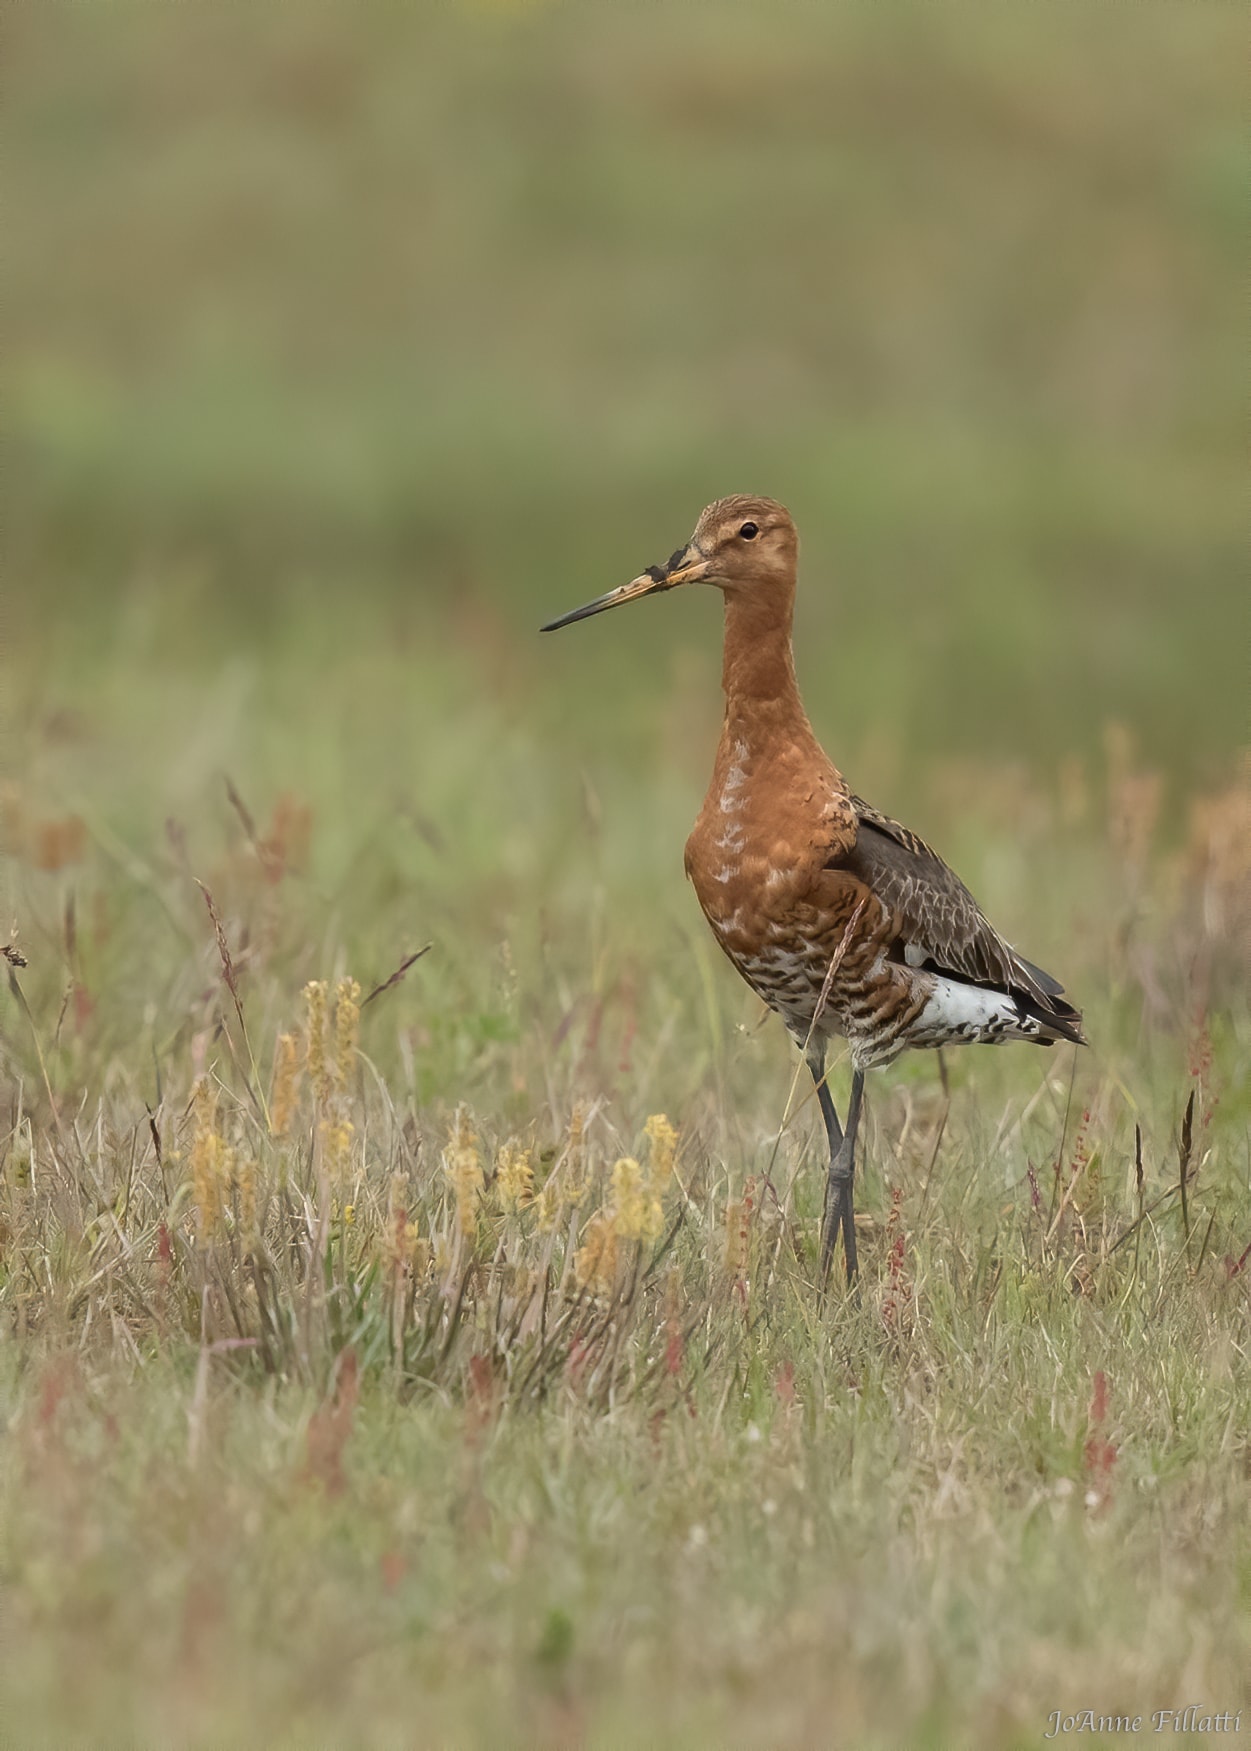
[749, 531]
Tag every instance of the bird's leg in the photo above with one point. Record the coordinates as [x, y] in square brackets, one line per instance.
[845, 1169]
[833, 1130]
[834, 1135]
[839, 1207]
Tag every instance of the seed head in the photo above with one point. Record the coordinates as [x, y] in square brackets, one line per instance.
[637, 1213]
[315, 1001]
[514, 1173]
[595, 1262]
[245, 1187]
[286, 1085]
[576, 1181]
[663, 1141]
[347, 1022]
[210, 1159]
[549, 1206]
[336, 1147]
[463, 1165]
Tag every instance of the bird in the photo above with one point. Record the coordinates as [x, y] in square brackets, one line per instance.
[847, 924]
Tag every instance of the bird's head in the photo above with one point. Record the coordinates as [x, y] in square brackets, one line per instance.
[743, 545]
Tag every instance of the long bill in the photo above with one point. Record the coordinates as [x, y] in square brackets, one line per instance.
[687, 566]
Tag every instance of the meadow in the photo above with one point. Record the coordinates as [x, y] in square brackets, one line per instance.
[408, 1224]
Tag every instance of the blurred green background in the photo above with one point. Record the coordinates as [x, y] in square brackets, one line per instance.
[431, 321]
[348, 343]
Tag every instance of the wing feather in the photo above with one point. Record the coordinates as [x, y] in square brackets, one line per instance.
[938, 918]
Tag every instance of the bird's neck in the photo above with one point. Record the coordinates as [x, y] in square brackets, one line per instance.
[758, 665]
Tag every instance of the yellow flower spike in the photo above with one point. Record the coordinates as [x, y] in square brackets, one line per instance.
[663, 1147]
[336, 1146]
[463, 1165]
[549, 1206]
[347, 1024]
[574, 1188]
[245, 1186]
[315, 1001]
[206, 1183]
[286, 1091]
[210, 1159]
[632, 1213]
[514, 1174]
[576, 1177]
[394, 1236]
[595, 1262]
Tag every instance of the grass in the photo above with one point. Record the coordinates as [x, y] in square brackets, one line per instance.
[369, 1374]
[323, 1423]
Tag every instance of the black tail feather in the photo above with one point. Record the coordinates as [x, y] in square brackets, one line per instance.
[1052, 987]
[1059, 1017]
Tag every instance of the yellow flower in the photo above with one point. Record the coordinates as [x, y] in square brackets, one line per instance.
[211, 1161]
[347, 1022]
[549, 1207]
[514, 1172]
[336, 1146]
[637, 1214]
[245, 1185]
[463, 1165]
[576, 1182]
[286, 1085]
[663, 1141]
[315, 1001]
[595, 1262]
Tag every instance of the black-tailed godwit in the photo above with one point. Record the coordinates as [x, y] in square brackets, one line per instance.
[844, 922]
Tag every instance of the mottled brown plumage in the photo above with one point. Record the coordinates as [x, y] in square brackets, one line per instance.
[842, 920]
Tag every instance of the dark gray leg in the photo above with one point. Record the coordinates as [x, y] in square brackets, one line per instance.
[833, 1130]
[834, 1135]
[839, 1206]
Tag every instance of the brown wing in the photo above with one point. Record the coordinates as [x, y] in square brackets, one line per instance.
[942, 927]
